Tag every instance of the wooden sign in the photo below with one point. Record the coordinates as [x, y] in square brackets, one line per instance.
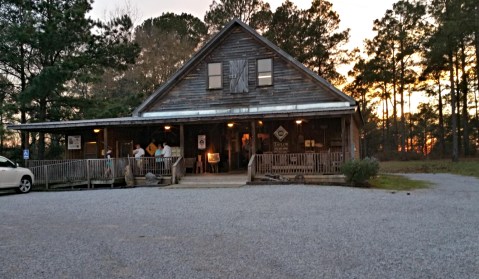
[74, 142]
[201, 142]
[280, 147]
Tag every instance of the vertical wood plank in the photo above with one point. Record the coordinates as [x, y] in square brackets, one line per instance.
[253, 137]
[343, 136]
[351, 141]
[182, 140]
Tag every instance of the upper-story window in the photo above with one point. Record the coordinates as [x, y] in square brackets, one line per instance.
[265, 72]
[215, 78]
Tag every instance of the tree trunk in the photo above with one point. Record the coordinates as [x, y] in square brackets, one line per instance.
[387, 146]
[465, 114]
[23, 110]
[395, 113]
[442, 140]
[403, 118]
[476, 36]
[41, 136]
[454, 149]
[458, 103]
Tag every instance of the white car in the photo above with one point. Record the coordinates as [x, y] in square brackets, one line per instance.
[14, 177]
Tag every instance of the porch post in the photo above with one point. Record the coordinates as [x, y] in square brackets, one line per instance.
[229, 134]
[351, 134]
[343, 137]
[105, 142]
[182, 140]
[253, 138]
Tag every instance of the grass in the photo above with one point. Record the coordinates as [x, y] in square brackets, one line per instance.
[467, 167]
[396, 182]
[388, 181]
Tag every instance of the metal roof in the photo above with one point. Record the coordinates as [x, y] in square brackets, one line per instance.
[193, 117]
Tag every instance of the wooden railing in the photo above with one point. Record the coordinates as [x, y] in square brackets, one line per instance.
[178, 170]
[252, 168]
[299, 163]
[84, 171]
[38, 163]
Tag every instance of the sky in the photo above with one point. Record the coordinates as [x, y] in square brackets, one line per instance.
[358, 15]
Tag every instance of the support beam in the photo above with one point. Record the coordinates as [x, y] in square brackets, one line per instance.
[351, 137]
[182, 140]
[105, 142]
[344, 142]
[253, 138]
[229, 134]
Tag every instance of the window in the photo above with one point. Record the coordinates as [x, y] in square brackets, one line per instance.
[238, 76]
[215, 79]
[265, 72]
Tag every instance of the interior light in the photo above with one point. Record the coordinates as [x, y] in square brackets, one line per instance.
[96, 131]
[230, 125]
[299, 121]
[167, 127]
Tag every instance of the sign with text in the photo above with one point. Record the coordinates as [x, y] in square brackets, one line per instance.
[280, 147]
[280, 133]
[201, 142]
[74, 142]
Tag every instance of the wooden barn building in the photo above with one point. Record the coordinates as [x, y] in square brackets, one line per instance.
[240, 99]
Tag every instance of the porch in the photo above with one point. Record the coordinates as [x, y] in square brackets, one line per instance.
[93, 172]
[89, 173]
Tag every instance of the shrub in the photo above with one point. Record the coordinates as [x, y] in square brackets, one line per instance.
[357, 172]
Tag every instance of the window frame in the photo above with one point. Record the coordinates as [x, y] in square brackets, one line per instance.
[258, 72]
[215, 76]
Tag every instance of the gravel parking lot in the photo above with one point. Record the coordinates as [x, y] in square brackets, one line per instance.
[247, 232]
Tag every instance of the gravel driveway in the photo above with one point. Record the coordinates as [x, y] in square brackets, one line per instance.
[247, 232]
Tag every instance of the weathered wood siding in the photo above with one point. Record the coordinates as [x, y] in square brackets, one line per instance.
[290, 85]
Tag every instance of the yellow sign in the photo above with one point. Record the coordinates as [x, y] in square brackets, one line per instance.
[151, 149]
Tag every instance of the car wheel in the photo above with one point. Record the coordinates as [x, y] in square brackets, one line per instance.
[25, 185]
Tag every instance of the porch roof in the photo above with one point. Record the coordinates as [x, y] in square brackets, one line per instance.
[196, 116]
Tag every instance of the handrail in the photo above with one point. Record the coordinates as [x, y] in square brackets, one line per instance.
[177, 170]
[299, 163]
[86, 170]
[251, 168]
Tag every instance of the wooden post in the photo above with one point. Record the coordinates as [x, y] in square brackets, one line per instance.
[253, 137]
[343, 137]
[229, 135]
[182, 141]
[105, 142]
[45, 171]
[88, 174]
[351, 135]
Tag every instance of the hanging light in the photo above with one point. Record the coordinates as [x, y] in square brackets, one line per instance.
[96, 131]
[231, 125]
[167, 127]
[299, 121]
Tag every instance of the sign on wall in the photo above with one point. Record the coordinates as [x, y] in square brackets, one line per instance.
[201, 142]
[280, 133]
[74, 142]
[26, 154]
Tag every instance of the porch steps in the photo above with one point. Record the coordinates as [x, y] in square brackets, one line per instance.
[212, 180]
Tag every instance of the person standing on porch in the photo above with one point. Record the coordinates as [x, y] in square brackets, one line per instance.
[159, 158]
[139, 153]
[167, 154]
[109, 163]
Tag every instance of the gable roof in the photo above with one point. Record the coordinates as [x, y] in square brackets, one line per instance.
[214, 42]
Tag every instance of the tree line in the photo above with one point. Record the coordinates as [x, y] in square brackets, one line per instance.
[56, 63]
